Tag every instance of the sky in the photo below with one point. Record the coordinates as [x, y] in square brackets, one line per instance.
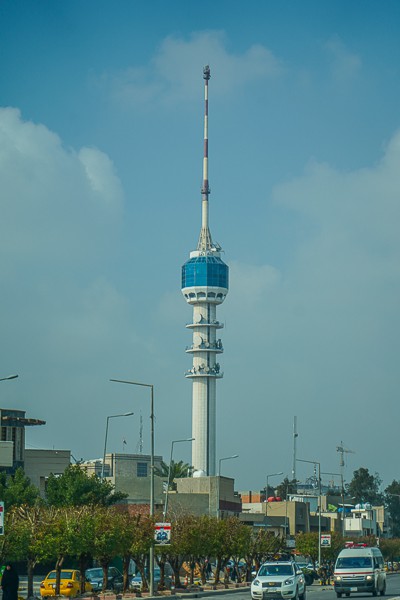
[101, 127]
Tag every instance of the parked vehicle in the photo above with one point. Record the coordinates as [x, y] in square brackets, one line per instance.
[115, 580]
[136, 581]
[70, 584]
[359, 569]
[279, 579]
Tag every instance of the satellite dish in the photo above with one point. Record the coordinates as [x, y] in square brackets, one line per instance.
[207, 344]
[197, 339]
[207, 369]
[197, 318]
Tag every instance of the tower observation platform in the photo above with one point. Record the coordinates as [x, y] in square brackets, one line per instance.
[205, 284]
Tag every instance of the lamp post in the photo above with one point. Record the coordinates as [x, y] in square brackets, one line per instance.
[342, 483]
[105, 439]
[315, 462]
[266, 499]
[148, 385]
[9, 377]
[169, 471]
[219, 475]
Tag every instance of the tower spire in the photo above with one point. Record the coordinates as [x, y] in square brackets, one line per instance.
[205, 242]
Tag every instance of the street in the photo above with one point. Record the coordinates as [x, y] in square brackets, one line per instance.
[316, 592]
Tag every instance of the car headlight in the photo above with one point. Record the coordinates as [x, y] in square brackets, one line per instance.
[256, 582]
[288, 582]
[337, 578]
[369, 577]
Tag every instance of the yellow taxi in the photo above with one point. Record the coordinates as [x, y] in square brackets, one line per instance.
[70, 584]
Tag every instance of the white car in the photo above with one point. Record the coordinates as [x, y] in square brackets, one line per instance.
[279, 579]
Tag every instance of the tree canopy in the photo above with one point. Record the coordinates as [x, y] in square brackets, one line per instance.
[17, 489]
[364, 487]
[76, 488]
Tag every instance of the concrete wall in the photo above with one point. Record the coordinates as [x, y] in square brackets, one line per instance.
[39, 464]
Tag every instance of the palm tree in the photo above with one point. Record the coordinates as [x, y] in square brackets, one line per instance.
[178, 470]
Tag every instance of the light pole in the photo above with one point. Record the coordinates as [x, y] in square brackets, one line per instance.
[148, 385]
[219, 475]
[341, 480]
[105, 439]
[169, 471]
[9, 377]
[315, 462]
[266, 499]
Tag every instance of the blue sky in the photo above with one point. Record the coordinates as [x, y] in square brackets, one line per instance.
[101, 124]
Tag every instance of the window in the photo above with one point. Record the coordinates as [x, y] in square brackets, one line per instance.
[141, 469]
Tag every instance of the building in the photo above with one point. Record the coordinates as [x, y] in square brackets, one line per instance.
[130, 474]
[214, 496]
[13, 423]
[40, 464]
[205, 282]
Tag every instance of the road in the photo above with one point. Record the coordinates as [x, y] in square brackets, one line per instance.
[317, 592]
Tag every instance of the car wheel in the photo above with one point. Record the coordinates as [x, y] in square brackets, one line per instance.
[304, 594]
[374, 592]
[383, 590]
[348, 594]
[296, 596]
[338, 594]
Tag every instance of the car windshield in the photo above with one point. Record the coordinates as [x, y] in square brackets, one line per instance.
[271, 570]
[64, 575]
[354, 562]
[94, 573]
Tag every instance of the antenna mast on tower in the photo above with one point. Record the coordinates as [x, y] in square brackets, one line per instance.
[295, 436]
[342, 451]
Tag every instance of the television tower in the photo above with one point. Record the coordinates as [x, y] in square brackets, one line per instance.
[205, 281]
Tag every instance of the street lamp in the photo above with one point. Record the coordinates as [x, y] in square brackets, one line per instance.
[169, 471]
[342, 482]
[9, 377]
[219, 475]
[105, 439]
[148, 385]
[315, 462]
[266, 499]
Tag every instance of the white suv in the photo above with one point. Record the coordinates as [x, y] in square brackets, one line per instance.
[279, 579]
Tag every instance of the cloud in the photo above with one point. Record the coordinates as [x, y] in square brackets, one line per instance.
[344, 63]
[55, 201]
[172, 75]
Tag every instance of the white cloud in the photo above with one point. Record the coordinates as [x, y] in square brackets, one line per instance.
[174, 71]
[345, 64]
[55, 201]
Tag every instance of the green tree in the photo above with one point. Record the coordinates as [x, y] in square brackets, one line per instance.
[178, 470]
[392, 502]
[143, 535]
[307, 545]
[390, 548]
[364, 487]
[17, 490]
[288, 486]
[28, 528]
[76, 488]
[108, 532]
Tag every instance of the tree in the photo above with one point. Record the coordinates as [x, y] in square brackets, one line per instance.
[364, 487]
[76, 488]
[390, 549]
[108, 532]
[288, 486]
[17, 490]
[27, 528]
[307, 545]
[392, 502]
[178, 470]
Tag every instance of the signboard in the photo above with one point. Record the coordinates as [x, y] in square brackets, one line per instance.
[1, 518]
[162, 533]
[326, 541]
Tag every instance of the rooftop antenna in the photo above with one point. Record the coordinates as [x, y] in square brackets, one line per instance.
[295, 436]
[205, 243]
[139, 445]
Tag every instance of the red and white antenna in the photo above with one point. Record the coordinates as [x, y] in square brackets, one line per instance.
[205, 242]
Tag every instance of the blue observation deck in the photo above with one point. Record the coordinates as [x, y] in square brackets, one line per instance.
[205, 271]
